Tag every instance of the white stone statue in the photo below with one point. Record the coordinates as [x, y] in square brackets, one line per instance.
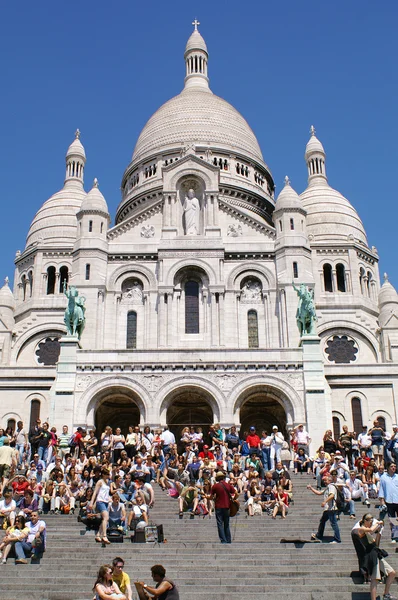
[191, 213]
[234, 230]
[251, 292]
[147, 231]
[134, 293]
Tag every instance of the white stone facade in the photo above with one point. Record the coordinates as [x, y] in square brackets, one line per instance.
[197, 324]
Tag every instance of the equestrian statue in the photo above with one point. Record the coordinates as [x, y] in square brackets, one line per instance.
[74, 318]
[305, 315]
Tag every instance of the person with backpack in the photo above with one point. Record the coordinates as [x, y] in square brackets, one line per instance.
[330, 510]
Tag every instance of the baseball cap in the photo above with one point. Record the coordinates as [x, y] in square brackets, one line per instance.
[205, 447]
[39, 467]
[252, 428]
[275, 427]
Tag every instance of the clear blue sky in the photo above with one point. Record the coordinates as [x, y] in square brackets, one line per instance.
[105, 67]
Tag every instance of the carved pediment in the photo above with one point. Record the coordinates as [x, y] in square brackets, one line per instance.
[241, 218]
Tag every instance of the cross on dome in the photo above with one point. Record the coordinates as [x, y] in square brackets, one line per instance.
[6, 281]
[95, 182]
[77, 134]
[287, 180]
[385, 277]
[312, 130]
[195, 23]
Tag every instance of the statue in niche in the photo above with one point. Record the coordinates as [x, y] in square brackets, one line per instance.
[234, 230]
[133, 293]
[191, 213]
[251, 292]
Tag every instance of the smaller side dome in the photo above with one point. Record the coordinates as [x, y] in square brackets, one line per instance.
[7, 299]
[76, 148]
[387, 293]
[94, 201]
[288, 198]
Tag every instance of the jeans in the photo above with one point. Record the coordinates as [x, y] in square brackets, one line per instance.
[42, 452]
[266, 458]
[329, 515]
[21, 449]
[23, 549]
[392, 511]
[349, 507]
[222, 518]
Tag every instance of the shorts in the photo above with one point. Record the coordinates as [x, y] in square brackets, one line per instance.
[4, 470]
[381, 567]
[101, 506]
[377, 448]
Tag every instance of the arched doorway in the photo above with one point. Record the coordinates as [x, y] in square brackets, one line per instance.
[189, 406]
[116, 409]
[262, 409]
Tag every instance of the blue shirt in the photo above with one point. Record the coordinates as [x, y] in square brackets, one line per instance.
[389, 488]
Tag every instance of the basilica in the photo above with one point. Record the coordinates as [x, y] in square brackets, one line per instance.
[190, 297]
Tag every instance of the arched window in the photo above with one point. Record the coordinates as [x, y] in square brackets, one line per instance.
[34, 413]
[356, 414]
[63, 277]
[382, 422]
[30, 278]
[24, 284]
[252, 328]
[50, 280]
[292, 224]
[327, 277]
[131, 339]
[340, 276]
[362, 277]
[11, 424]
[295, 270]
[90, 226]
[191, 307]
[336, 428]
[87, 272]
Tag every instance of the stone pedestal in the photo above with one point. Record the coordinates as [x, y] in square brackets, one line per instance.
[318, 404]
[62, 392]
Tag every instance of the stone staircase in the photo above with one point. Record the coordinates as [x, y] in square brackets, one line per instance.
[256, 565]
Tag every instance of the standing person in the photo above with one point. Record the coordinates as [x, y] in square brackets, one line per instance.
[378, 435]
[165, 588]
[329, 511]
[366, 538]
[222, 493]
[34, 434]
[21, 442]
[168, 440]
[121, 578]
[101, 501]
[345, 444]
[44, 442]
[105, 588]
[63, 442]
[118, 444]
[388, 495]
[253, 441]
[365, 441]
[303, 438]
[8, 462]
[277, 440]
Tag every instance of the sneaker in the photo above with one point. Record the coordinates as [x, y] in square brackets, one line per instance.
[389, 597]
[21, 561]
[4, 560]
[393, 541]
[335, 542]
[366, 502]
[314, 538]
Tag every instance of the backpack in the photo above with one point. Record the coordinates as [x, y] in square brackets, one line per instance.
[340, 500]
[72, 441]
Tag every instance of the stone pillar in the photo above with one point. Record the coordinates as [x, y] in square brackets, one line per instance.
[318, 403]
[214, 324]
[221, 318]
[62, 393]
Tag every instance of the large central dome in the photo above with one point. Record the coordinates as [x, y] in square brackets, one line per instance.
[197, 116]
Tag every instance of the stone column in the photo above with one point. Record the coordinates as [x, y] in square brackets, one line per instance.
[214, 319]
[62, 392]
[221, 322]
[161, 320]
[170, 318]
[318, 403]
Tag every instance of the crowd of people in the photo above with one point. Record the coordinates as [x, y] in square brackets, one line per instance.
[108, 477]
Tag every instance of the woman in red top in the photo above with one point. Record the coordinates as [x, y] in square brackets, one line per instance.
[282, 503]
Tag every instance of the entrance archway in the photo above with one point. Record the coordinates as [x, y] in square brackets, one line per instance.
[189, 406]
[262, 409]
[116, 409]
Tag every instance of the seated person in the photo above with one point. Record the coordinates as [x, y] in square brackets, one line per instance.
[7, 509]
[302, 463]
[36, 541]
[281, 503]
[279, 471]
[16, 533]
[358, 489]
[188, 499]
[117, 513]
[64, 501]
[27, 505]
[138, 518]
[268, 500]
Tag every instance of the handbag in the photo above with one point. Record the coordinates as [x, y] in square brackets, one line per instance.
[381, 553]
[233, 504]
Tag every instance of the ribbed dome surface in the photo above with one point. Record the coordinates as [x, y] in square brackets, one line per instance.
[195, 42]
[94, 201]
[387, 294]
[7, 297]
[197, 116]
[330, 216]
[55, 222]
[288, 198]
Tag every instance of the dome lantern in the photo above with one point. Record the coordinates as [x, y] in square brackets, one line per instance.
[75, 161]
[315, 157]
[196, 59]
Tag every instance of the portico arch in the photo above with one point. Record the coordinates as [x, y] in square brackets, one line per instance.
[189, 405]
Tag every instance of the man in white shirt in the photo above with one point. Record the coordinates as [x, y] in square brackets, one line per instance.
[357, 489]
[168, 439]
[365, 441]
[340, 466]
[35, 542]
[303, 438]
[277, 440]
